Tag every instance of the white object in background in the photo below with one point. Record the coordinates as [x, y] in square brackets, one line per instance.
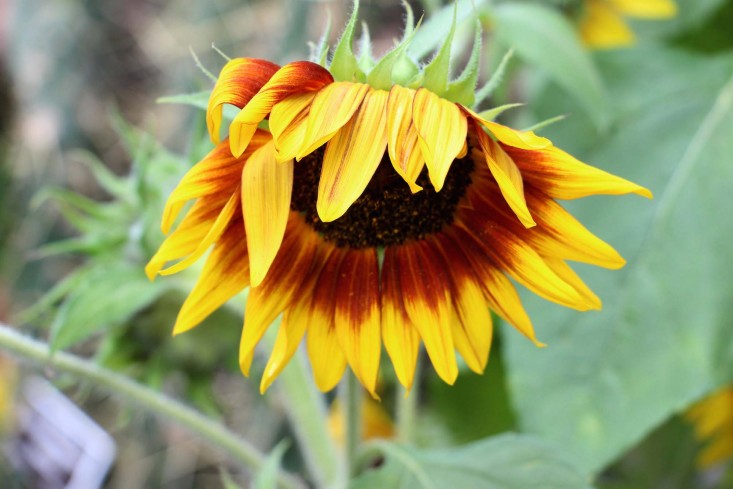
[59, 443]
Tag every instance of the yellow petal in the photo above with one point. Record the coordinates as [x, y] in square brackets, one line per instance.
[187, 236]
[560, 234]
[291, 79]
[646, 9]
[352, 157]
[603, 27]
[288, 272]
[325, 353]
[442, 130]
[498, 290]
[401, 339]
[561, 176]
[330, 110]
[217, 228]
[357, 318]
[225, 274]
[507, 175]
[564, 271]
[288, 122]
[289, 336]
[428, 304]
[266, 189]
[402, 138]
[238, 82]
[509, 136]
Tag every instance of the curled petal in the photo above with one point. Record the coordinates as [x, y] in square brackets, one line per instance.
[518, 139]
[288, 122]
[402, 137]
[291, 79]
[238, 82]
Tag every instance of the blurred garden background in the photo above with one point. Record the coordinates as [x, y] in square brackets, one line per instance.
[100, 115]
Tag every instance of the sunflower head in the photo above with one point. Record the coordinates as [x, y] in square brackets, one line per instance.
[377, 208]
[604, 23]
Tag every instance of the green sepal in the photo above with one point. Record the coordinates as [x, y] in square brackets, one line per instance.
[366, 60]
[437, 72]
[395, 68]
[546, 122]
[492, 114]
[495, 79]
[319, 52]
[344, 65]
[463, 89]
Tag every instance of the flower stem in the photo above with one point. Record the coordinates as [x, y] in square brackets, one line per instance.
[351, 397]
[165, 407]
[406, 412]
[306, 410]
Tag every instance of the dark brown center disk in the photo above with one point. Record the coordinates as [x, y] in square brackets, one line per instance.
[387, 213]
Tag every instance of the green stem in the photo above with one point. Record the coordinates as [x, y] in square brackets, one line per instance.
[165, 407]
[351, 398]
[406, 411]
[306, 410]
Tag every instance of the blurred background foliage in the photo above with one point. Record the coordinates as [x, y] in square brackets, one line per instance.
[87, 158]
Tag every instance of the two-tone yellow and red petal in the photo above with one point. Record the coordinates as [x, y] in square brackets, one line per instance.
[402, 137]
[238, 82]
[291, 79]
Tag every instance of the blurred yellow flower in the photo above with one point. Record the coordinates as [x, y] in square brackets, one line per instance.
[375, 421]
[712, 419]
[603, 23]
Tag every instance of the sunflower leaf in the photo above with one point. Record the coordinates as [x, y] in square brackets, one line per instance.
[395, 67]
[266, 478]
[501, 462]
[344, 65]
[546, 122]
[663, 338]
[492, 114]
[496, 79]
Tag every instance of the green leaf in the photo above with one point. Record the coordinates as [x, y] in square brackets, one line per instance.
[463, 89]
[544, 38]
[492, 114]
[344, 66]
[496, 79]
[109, 296]
[663, 337]
[502, 462]
[266, 478]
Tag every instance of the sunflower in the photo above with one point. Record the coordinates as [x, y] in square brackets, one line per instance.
[603, 23]
[376, 208]
[712, 419]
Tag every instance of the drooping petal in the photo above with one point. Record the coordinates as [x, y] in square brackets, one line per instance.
[352, 157]
[646, 9]
[188, 235]
[401, 338]
[296, 321]
[284, 280]
[218, 174]
[603, 27]
[507, 175]
[357, 318]
[521, 261]
[498, 290]
[225, 274]
[428, 303]
[512, 137]
[402, 138]
[291, 79]
[330, 110]
[561, 176]
[214, 232]
[564, 271]
[266, 189]
[238, 82]
[325, 353]
[471, 326]
[288, 122]
[442, 130]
